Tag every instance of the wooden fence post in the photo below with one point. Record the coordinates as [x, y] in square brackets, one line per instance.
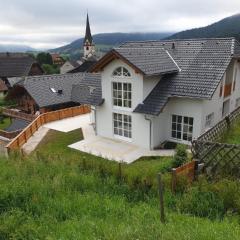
[120, 170]
[174, 180]
[161, 202]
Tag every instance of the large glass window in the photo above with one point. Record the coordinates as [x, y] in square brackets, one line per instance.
[122, 94]
[121, 72]
[182, 127]
[122, 125]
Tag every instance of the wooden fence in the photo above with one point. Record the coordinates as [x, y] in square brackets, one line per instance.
[187, 171]
[42, 119]
[9, 135]
[218, 158]
[16, 114]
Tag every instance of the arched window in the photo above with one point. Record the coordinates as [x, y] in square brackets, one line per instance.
[121, 72]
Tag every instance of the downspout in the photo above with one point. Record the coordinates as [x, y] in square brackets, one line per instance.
[150, 131]
[95, 119]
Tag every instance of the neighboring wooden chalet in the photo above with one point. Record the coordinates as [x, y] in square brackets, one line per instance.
[57, 59]
[16, 65]
[48, 92]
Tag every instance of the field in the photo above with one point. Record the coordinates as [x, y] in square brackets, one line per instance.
[59, 193]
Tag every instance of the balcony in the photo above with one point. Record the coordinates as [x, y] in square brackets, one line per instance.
[227, 90]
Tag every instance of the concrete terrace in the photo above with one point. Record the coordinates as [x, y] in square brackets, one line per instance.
[107, 148]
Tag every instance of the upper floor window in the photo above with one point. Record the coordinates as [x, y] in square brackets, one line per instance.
[121, 72]
[122, 94]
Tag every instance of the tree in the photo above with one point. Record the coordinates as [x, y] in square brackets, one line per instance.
[44, 58]
[50, 69]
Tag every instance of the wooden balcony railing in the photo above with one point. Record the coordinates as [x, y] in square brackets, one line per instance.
[42, 119]
[15, 114]
[9, 135]
[227, 90]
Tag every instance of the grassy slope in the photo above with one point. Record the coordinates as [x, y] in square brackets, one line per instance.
[233, 135]
[54, 198]
[6, 122]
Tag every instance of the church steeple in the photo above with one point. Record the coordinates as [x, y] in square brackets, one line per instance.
[89, 47]
[88, 35]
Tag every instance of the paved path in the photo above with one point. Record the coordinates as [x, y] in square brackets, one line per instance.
[32, 143]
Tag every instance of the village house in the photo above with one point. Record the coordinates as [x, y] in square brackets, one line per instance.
[57, 59]
[40, 94]
[157, 91]
[69, 65]
[14, 66]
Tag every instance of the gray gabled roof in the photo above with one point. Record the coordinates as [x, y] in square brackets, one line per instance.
[203, 63]
[15, 65]
[50, 90]
[88, 91]
[150, 61]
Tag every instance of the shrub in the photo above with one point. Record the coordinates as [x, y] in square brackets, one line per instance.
[228, 191]
[180, 157]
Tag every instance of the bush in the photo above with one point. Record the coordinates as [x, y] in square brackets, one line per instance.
[229, 191]
[180, 157]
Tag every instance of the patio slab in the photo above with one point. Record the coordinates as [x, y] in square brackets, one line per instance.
[111, 149]
[116, 150]
[70, 124]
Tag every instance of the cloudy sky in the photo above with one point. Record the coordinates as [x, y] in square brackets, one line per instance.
[52, 23]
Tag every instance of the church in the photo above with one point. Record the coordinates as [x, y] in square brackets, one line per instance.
[89, 55]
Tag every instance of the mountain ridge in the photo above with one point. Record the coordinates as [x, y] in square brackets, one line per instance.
[226, 27]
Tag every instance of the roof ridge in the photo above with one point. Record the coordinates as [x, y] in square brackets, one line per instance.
[179, 40]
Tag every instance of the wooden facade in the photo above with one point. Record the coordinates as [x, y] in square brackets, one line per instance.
[28, 105]
[36, 70]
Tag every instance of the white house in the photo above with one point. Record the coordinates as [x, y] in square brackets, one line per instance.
[157, 91]
[69, 65]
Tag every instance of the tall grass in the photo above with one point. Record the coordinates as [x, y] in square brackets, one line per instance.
[57, 199]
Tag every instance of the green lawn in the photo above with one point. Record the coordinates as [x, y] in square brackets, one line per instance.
[60, 193]
[232, 136]
[5, 123]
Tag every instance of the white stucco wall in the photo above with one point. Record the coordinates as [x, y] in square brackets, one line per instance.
[215, 105]
[104, 119]
[67, 66]
[162, 124]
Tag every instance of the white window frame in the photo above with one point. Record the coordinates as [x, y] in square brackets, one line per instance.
[181, 126]
[122, 93]
[123, 72]
[209, 120]
[122, 126]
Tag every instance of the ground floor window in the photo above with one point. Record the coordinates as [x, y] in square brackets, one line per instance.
[209, 120]
[122, 125]
[182, 127]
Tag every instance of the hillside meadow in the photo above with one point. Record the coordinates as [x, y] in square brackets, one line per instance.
[59, 193]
